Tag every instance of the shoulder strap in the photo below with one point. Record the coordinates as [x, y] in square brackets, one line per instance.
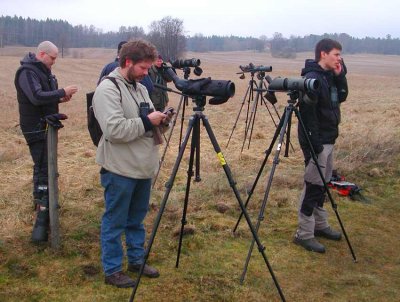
[114, 80]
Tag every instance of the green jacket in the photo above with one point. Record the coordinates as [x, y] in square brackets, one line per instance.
[158, 96]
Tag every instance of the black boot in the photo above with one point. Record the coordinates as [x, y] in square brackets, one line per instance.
[41, 227]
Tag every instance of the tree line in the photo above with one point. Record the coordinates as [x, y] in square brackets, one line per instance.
[169, 37]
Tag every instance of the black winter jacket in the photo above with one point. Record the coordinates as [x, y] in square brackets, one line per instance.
[38, 95]
[320, 111]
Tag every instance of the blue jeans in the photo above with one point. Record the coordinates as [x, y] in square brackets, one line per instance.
[126, 206]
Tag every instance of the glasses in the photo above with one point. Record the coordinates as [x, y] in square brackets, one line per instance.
[51, 57]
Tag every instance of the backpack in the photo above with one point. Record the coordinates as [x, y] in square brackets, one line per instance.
[93, 125]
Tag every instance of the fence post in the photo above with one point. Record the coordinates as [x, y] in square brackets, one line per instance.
[52, 142]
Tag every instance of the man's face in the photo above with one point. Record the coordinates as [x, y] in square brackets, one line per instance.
[158, 62]
[330, 60]
[48, 58]
[136, 72]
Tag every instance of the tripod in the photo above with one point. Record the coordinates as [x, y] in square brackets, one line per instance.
[183, 102]
[194, 129]
[284, 126]
[251, 112]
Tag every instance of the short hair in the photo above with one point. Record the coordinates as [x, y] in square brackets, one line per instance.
[47, 46]
[137, 51]
[326, 45]
[120, 44]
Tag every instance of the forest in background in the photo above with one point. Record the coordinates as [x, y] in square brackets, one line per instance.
[169, 36]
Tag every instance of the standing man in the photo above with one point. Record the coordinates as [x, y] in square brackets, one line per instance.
[320, 113]
[128, 155]
[146, 81]
[159, 96]
[38, 96]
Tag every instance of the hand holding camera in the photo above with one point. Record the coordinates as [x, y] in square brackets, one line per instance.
[170, 112]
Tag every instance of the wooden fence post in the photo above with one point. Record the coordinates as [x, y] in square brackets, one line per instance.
[52, 142]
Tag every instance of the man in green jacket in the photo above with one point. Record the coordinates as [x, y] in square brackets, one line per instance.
[159, 96]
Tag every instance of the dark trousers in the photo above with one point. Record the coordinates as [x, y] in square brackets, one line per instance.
[312, 216]
[38, 150]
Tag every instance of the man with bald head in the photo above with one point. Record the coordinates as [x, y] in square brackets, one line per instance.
[38, 96]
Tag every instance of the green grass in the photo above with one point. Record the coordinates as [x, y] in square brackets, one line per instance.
[212, 259]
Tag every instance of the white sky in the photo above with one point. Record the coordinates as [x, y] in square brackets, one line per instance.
[358, 18]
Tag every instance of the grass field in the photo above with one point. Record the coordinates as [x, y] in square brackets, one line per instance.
[212, 258]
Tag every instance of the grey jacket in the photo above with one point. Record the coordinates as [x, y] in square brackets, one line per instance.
[125, 148]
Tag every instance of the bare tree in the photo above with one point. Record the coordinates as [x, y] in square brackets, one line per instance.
[167, 36]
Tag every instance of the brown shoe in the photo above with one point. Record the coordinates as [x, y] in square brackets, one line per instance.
[148, 271]
[120, 279]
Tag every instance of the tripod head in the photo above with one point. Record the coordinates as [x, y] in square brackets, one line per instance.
[294, 95]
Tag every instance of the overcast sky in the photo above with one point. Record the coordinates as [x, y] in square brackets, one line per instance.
[358, 18]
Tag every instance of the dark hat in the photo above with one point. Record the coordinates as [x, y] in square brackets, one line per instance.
[160, 57]
[120, 44]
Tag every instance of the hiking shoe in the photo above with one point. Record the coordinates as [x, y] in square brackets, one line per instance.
[310, 244]
[41, 227]
[148, 271]
[119, 279]
[328, 233]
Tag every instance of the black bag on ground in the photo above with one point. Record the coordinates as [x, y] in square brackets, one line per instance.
[93, 125]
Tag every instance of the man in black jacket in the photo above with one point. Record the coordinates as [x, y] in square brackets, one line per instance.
[320, 112]
[146, 81]
[38, 96]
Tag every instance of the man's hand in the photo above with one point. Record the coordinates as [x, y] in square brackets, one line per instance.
[340, 67]
[156, 117]
[169, 113]
[70, 90]
[65, 99]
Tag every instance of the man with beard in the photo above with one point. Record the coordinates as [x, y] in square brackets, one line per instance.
[128, 156]
[38, 96]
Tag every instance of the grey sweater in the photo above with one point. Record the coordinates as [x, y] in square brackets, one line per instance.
[125, 147]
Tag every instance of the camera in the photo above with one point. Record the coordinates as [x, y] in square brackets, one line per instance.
[186, 63]
[294, 84]
[221, 90]
[252, 68]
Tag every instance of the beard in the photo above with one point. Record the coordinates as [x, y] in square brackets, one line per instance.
[132, 76]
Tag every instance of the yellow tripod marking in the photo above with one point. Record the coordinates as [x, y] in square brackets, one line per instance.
[221, 158]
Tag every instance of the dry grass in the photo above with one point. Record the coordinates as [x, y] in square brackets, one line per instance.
[212, 259]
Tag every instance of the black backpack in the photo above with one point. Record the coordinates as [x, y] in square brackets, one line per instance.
[93, 125]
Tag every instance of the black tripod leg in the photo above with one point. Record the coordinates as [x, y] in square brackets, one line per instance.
[193, 148]
[196, 134]
[287, 118]
[289, 126]
[168, 140]
[277, 114]
[168, 185]
[267, 153]
[334, 205]
[249, 112]
[254, 117]
[238, 115]
[232, 183]
[184, 104]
